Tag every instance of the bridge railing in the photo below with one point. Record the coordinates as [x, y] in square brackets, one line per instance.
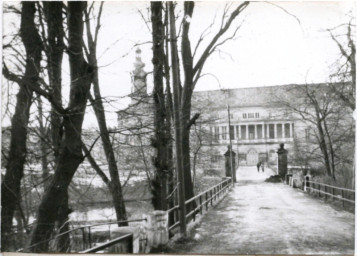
[343, 194]
[202, 201]
[127, 239]
[85, 238]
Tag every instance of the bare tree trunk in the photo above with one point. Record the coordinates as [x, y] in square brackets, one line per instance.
[178, 123]
[160, 141]
[322, 141]
[43, 144]
[54, 52]
[10, 187]
[169, 116]
[114, 185]
[71, 146]
[331, 150]
[187, 61]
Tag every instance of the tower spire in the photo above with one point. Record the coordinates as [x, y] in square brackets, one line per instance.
[139, 88]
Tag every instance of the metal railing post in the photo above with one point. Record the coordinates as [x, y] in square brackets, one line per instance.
[83, 239]
[333, 194]
[325, 188]
[343, 201]
[89, 237]
[201, 210]
[206, 201]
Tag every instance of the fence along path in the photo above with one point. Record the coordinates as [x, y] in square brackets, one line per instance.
[343, 194]
[270, 218]
[83, 240]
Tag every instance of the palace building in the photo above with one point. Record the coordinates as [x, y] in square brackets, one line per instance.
[259, 122]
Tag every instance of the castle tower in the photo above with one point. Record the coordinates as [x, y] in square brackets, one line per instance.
[138, 75]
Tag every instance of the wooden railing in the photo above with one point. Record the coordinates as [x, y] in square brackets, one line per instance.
[202, 200]
[343, 194]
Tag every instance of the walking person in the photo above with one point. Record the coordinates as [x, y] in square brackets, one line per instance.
[262, 165]
[258, 165]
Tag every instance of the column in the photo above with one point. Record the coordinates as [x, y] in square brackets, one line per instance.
[246, 132]
[268, 134]
[240, 132]
[275, 132]
[263, 131]
[291, 130]
[283, 130]
[255, 132]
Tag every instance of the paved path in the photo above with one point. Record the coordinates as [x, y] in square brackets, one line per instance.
[269, 218]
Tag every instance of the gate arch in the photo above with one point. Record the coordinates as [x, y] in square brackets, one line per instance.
[252, 157]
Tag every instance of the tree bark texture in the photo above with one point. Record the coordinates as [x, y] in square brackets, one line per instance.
[160, 140]
[71, 145]
[187, 61]
[10, 188]
[322, 140]
[54, 53]
[97, 103]
[169, 117]
[177, 120]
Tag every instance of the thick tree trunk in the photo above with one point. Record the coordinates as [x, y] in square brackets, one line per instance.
[172, 200]
[10, 187]
[160, 141]
[55, 47]
[53, 14]
[43, 144]
[178, 120]
[71, 146]
[114, 185]
[187, 61]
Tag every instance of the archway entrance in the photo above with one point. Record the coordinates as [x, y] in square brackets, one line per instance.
[252, 157]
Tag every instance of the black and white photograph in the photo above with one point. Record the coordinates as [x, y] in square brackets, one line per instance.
[187, 127]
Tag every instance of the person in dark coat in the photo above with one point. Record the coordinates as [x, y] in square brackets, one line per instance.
[258, 165]
[262, 166]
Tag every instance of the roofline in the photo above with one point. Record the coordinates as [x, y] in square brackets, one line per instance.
[269, 86]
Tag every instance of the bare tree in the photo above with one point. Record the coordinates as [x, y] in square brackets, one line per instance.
[97, 104]
[71, 146]
[330, 128]
[161, 139]
[10, 187]
[192, 73]
[54, 49]
[346, 67]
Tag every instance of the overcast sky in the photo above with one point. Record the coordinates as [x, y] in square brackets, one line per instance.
[279, 43]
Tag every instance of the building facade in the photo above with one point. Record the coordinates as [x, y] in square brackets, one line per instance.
[259, 122]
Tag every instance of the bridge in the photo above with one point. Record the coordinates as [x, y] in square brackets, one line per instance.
[257, 217]
[252, 217]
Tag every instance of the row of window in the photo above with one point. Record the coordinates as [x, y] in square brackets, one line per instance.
[249, 132]
[253, 115]
[250, 115]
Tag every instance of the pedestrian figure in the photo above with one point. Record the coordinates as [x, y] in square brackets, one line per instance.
[258, 165]
[262, 165]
